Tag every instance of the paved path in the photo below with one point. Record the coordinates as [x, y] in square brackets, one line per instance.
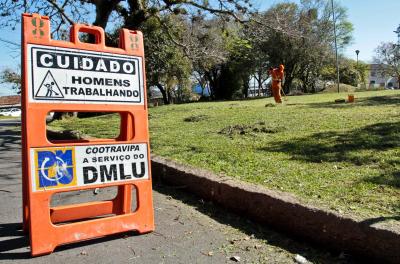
[188, 230]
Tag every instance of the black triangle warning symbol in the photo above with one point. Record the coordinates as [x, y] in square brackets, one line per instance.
[49, 87]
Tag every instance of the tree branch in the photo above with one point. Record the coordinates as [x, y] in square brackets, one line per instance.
[61, 10]
[215, 11]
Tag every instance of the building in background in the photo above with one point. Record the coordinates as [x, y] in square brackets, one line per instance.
[254, 90]
[11, 101]
[377, 78]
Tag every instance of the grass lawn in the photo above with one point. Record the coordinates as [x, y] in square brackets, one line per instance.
[8, 117]
[344, 157]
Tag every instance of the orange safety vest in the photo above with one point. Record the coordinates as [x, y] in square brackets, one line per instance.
[277, 75]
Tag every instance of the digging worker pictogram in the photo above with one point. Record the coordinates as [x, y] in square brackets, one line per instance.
[277, 75]
[50, 90]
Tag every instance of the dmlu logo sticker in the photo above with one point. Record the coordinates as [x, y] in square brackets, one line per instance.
[79, 166]
[55, 168]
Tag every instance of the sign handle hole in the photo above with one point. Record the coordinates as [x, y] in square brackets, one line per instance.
[85, 37]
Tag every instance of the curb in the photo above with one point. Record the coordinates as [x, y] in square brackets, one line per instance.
[284, 212]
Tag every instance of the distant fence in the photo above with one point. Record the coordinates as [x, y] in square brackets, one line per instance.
[254, 91]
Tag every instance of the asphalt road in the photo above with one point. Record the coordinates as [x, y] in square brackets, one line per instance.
[188, 229]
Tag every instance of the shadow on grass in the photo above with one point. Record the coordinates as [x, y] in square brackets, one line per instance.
[359, 146]
[366, 101]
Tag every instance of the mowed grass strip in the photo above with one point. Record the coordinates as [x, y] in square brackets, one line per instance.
[8, 117]
[345, 157]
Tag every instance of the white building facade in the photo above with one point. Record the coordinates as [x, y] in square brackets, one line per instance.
[378, 79]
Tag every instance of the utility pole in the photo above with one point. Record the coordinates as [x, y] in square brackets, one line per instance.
[336, 49]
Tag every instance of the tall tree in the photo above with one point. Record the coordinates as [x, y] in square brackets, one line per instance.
[239, 66]
[300, 37]
[167, 66]
[207, 50]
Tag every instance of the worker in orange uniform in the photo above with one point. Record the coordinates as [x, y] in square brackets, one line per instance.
[277, 75]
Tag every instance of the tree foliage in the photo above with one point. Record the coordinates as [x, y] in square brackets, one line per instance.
[11, 77]
[219, 43]
[350, 72]
[207, 50]
[128, 13]
[388, 56]
[172, 48]
[224, 66]
[167, 67]
[301, 39]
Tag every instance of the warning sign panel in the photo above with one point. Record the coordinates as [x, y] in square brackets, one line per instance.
[49, 88]
[63, 167]
[79, 76]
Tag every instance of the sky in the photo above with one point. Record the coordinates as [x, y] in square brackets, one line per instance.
[374, 22]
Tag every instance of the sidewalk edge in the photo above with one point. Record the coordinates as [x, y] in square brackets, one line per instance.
[283, 211]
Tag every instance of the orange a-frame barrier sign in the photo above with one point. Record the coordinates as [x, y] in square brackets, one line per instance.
[73, 76]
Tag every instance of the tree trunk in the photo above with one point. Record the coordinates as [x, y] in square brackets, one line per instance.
[212, 83]
[103, 11]
[137, 14]
[259, 81]
[398, 81]
[163, 92]
[169, 96]
[246, 86]
[288, 83]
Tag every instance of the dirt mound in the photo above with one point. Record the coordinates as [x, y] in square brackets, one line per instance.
[196, 118]
[254, 129]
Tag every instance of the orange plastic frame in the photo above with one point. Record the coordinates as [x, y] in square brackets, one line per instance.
[38, 216]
